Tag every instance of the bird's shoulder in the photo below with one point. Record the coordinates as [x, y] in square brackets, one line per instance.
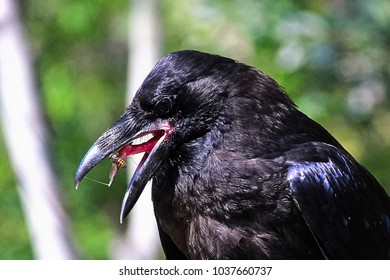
[342, 203]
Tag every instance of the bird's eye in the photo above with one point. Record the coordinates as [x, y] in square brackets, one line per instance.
[163, 106]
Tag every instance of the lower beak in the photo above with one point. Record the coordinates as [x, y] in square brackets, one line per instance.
[144, 172]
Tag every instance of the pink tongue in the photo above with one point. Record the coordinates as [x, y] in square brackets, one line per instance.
[129, 150]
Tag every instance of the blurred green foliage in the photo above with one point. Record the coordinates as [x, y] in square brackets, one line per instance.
[332, 57]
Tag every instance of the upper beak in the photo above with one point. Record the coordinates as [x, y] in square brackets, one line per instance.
[120, 137]
[114, 138]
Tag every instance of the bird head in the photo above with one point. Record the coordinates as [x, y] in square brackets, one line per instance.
[180, 100]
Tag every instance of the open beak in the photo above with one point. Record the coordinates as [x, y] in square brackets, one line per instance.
[124, 138]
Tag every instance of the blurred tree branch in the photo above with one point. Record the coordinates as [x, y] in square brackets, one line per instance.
[26, 140]
[141, 238]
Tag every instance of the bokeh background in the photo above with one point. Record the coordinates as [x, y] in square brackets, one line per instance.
[331, 56]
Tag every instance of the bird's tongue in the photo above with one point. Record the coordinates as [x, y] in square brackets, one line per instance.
[144, 143]
[145, 146]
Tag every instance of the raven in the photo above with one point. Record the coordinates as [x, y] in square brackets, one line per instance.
[238, 171]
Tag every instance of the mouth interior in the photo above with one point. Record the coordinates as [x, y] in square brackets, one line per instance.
[144, 143]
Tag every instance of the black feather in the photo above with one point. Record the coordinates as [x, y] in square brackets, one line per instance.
[245, 174]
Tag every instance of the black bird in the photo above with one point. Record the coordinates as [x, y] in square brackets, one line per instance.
[238, 171]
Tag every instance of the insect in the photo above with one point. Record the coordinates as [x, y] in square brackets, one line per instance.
[117, 162]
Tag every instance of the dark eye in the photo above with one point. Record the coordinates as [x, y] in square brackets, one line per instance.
[163, 107]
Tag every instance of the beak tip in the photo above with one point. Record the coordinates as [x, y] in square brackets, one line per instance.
[123, 214]
[76, 184]
[91, 158]
[126, 207]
